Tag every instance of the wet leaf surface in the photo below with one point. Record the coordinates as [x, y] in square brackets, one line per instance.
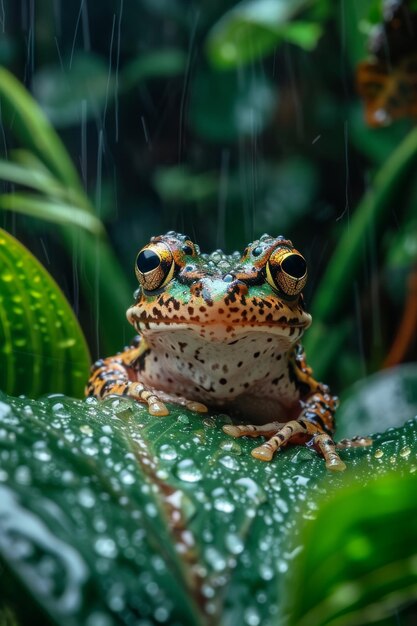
[111, 516]
[42, 347]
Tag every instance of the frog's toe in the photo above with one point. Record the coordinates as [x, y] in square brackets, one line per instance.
[263, 453]
[157, 408]
[251, 430]
[198, 407]
[327, 447]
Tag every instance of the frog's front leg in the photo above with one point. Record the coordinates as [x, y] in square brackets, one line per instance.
[314, 426]
[121, 375]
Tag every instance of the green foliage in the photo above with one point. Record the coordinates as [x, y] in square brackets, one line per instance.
[253, 28]
[355, 572]
[45, 166]
[349, 254]
[127, 516]
[42, 346]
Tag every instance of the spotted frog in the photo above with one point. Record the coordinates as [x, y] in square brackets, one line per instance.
[222, 331]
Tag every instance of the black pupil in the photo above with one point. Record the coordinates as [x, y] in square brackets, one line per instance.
[187, 249]
[294, 265]
[147, 261]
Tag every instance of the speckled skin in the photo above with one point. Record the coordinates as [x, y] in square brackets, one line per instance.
[224, 331]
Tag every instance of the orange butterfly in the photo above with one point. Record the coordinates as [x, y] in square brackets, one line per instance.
[387, 83]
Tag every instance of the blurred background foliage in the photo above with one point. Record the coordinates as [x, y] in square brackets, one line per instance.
[220, 119]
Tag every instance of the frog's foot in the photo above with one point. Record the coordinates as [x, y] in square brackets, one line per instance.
[295, 432]
[156, 400]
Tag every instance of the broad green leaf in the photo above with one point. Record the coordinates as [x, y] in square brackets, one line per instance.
[51, 210]
[42, 347]
[157, 64]
[34, 130]
[225, 105]
[79, 92]
[359, 562]
[253, 28]
[378, 402]
[108, 514]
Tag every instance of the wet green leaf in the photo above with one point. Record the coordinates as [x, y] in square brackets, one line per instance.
[253, 28]
[34, 130]
[52, 211]
[109, 514]
[42, 347]
[359, 561]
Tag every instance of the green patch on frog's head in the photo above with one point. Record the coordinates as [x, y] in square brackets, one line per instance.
[260, 288]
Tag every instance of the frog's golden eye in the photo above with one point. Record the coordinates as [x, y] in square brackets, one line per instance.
[154, 266]
[286, 270]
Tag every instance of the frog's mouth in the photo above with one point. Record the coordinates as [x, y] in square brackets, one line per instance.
[285, 326]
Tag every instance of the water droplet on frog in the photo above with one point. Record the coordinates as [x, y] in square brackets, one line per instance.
[105, 546]
[379, 453]
[86, 430]
[405, 452]
[184, 419]
[188, 471]
[167, 452]
[393, 459]
[229, 462]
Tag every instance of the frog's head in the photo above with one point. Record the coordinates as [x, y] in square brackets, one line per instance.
[220, 295]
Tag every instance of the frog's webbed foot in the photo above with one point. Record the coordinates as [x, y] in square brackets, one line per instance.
[297, 432]
[117, 376]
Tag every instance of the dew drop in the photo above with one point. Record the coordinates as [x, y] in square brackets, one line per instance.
[234, 543]
[221, 501]
[379, 453]
[105, 546]
[229, 462]
[188, 471]
[167, 452]
[405, 452]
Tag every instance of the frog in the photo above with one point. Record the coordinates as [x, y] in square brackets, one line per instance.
[222, 332]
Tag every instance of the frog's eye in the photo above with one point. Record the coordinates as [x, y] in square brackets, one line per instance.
[154, 266]
[286, 270]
